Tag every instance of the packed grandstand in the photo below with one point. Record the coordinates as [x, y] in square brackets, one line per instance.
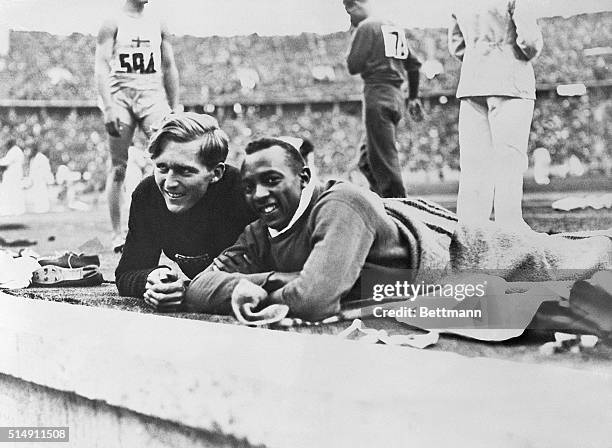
[299, 85]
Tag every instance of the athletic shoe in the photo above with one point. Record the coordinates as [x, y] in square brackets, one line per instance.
[56, 276]
[71, 260]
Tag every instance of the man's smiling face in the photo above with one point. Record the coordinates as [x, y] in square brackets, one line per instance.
[181, 177]
[272, 187]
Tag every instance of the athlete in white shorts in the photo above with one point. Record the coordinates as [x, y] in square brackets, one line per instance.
[138, 85]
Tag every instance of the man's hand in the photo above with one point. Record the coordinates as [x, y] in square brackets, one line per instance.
[415, 109]
[165, 290]
[112, 123]
[248, 294]
[233, 262]
[279, 279]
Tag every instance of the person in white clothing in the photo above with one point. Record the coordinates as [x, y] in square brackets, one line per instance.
[40, 177]
[12, 198]
[496, 40]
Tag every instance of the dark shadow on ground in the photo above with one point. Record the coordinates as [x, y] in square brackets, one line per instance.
[13, 226]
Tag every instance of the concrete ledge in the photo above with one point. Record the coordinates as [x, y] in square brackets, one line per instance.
[95, 424]
[291, 390]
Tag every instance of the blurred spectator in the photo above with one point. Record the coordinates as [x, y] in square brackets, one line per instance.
[576, 168]
[541, 166]
[68, 180]
[12, 198]
[40, 177]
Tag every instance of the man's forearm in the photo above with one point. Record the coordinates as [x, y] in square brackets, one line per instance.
[337, 254]
[211, 291]
[529, 36]
[171, 84]
[456, 41]
[103, 88]
[132, 283]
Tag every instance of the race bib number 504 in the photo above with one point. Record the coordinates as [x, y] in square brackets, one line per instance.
[396, 45]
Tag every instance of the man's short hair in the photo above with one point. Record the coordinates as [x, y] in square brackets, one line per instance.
[292, 155]
[303, 145]
[187, 127]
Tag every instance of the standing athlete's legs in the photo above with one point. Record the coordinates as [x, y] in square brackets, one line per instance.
[510, 121]
[476, 181]
[114, 182]
[151, 108]
[383, 110]
[364, 164]
[118, 146]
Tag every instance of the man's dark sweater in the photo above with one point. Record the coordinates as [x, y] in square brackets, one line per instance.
[192, 239]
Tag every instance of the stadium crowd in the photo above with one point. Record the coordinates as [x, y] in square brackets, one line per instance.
[304, 69]
[571, 126]
[267, 69]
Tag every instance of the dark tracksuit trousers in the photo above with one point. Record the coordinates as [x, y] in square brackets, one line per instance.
[383, 107]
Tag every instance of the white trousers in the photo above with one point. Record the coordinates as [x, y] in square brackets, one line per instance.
[493, 138]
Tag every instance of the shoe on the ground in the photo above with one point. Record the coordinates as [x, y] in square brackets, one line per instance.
[118, 243]
[56, 276]
[70, 260]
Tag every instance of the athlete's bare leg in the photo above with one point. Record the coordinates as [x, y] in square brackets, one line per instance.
[116, 177]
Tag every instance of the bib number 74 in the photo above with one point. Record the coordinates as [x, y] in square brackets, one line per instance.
[396, 45]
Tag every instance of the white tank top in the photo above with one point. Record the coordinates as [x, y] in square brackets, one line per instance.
[136, 60]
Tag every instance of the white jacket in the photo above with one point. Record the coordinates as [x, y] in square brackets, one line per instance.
[495, 40]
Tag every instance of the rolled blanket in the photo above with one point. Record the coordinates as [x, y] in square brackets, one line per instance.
[529, 256]
[427, 229]
[444, 246]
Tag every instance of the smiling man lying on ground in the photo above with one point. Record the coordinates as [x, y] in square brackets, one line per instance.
[191, 209]
[311, 243]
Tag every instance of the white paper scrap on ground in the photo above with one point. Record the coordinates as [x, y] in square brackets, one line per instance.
[596, 202]
[372, 336]
[16, 273]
